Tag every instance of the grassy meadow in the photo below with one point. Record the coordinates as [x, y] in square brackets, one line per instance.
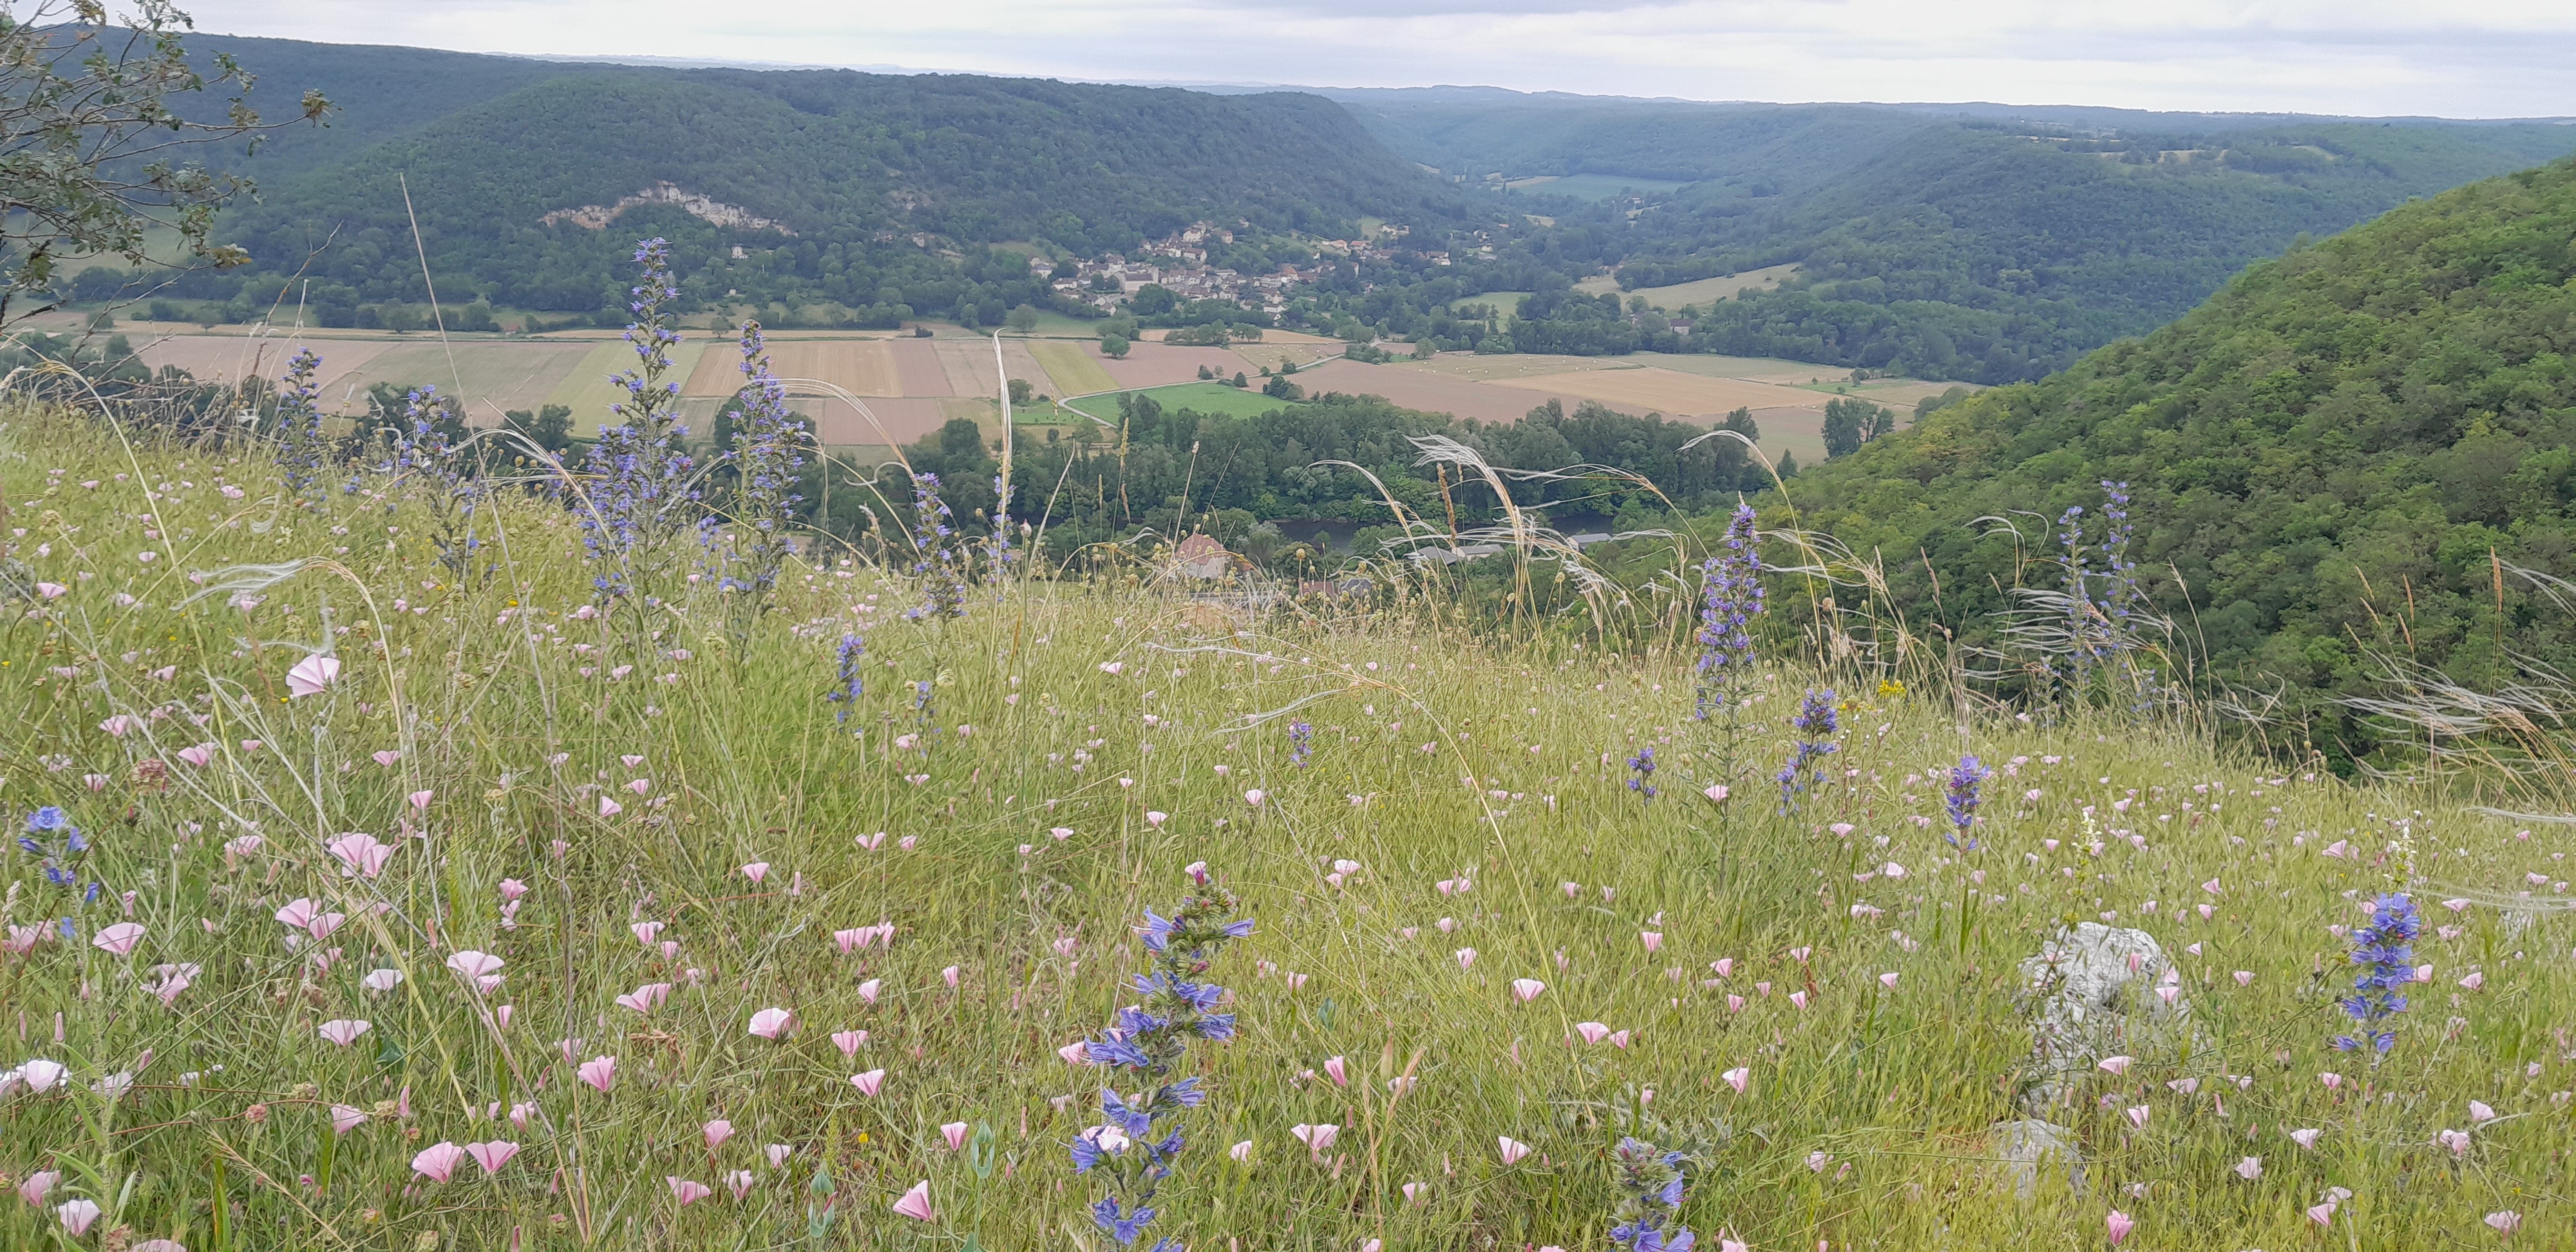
[642, 828]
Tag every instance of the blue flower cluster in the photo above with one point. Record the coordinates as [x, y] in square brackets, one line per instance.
[43, 827]
[2385, 951]
[303, 452]
[767, 461]
[1128, 1148]
[1649, 1215]
[639, 469]
[1814, 727]
[938, 556]
[1730, 589]
[425, 453]
[849, 686]
[1642, 767]
[1301, 742]
[1963, 798]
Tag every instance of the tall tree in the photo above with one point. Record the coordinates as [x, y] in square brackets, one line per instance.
[93, 144]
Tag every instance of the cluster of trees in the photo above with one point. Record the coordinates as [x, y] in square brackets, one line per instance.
[1174, 470]
[2344, 453]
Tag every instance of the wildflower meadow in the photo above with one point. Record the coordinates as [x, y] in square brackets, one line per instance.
[422, 844]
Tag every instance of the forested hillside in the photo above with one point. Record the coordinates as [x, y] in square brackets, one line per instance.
[863, 177]
[2344, 452]
[1974, 244]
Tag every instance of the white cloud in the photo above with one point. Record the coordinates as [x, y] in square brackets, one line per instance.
[2482, 59]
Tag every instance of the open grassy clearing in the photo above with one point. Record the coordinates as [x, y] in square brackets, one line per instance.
[1706, 291]
[1594, 186]
[1822, 1004]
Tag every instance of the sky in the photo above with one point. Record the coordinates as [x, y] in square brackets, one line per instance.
[2459, 58]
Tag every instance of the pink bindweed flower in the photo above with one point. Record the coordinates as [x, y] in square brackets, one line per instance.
[346, 1117]
[1798, 998]
[36, 1186]
[492, 1156]
[2138, 1116]
[646, 932]
[868, 990]
[1653, 939]
[739, 1182]
[77, 1216]
[2119, 1225]
[2331, 1079]
[949, 976]
[870, 1082]
[312, 676]
[2244, 978]
[756, 871]
[1512, 1149]
[118, 726]
[1527, 989]
[778, 1154]
[1739, 1078]
[2304, 1138]
[388, 758]
[198, 756]
[915, 1203]
[420, 800]
[1888, 980]
[599, 1072]
[716, 1131]
[646, 998]
[1466, 958]
[1338, 1070]
[1075, 1053]
[849, 1041]
[772, 1023]
[2456, 1140]
[1155, 819]
[685, 1191]
[1316, 1138]
[955, 1134]
[2504, 1222]
[2250, 1168]
[361, 854]
[1592, 1032]
[611, 808]
[1241, 1152]
[343, 1032]
[2114, 1065]
[119, 939]
[437, 1161]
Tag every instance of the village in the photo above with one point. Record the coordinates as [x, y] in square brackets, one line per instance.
[1178, 262]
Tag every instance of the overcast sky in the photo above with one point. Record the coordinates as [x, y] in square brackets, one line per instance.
[2458, 58]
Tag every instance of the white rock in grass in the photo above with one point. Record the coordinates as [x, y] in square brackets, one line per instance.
[2091, 993]
[2027, 1147]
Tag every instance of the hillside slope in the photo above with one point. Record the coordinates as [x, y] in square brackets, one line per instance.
[2330, 456]
[1982, 243]
[838, 160]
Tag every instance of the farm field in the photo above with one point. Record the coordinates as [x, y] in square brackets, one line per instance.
[1707, 291]
[1073, 368]
[620, 939]
[913, 385]
[1205, 397]
[1594, 186]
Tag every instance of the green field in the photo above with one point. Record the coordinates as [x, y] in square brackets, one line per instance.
[1204, 397]
[1706, 291]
